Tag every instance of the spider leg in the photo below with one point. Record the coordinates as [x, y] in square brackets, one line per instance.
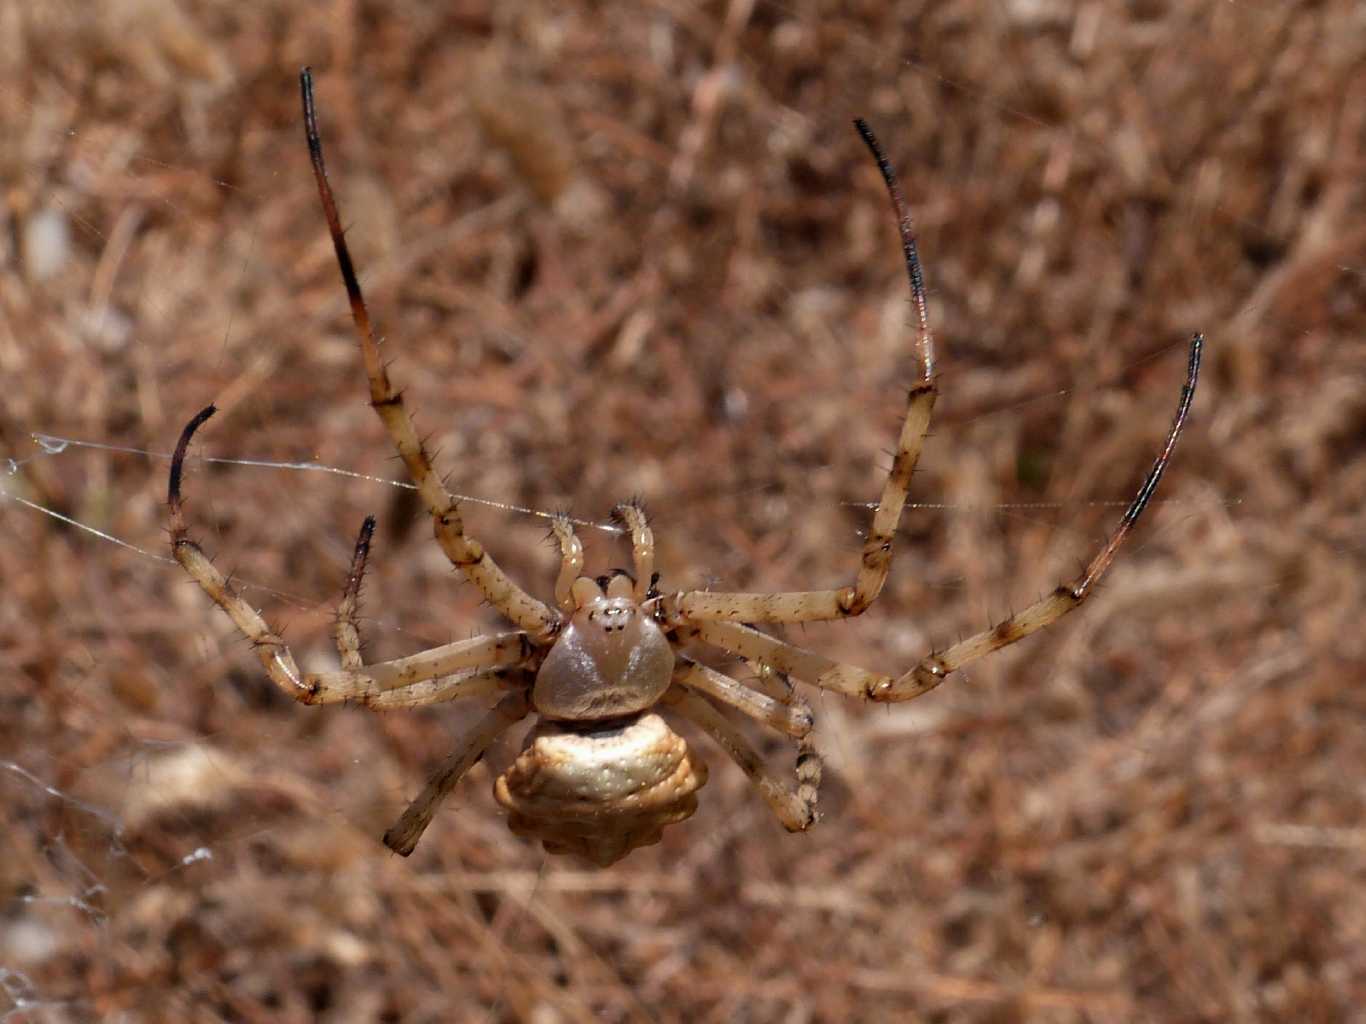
[366, 683]
[269, 646]
[571, 562]
[809, 765]
[808, 666]
[464, 551]
[346, 630]
[784, 715]
[1044, 612]
[371, 683]
[933, 669]
[642, 546]
[772, 683]
[488, 682]
[795, 809]
[876, 559]
[403, 836]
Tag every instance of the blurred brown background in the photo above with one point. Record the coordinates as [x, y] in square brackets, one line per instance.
[637, 249]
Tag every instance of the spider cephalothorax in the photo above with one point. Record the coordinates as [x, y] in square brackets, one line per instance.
[609, 657]
[602, 772]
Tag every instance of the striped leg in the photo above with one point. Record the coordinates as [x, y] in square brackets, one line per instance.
[347, 630]
[403, 837]
[355, 681]
[932, 670]
[464, 551]
[795, 809]
[815, 605]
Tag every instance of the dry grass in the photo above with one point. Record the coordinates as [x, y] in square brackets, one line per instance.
[637, 249]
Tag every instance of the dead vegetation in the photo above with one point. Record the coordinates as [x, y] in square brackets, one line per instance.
[637, 249]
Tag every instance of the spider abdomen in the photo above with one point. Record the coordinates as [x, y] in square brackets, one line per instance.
[599, 790]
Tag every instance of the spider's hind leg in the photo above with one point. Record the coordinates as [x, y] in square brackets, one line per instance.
[403, 836]
[809, 767]
[795, 809]
[464, 551]
[766, 705]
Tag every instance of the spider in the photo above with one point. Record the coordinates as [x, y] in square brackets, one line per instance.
[601, 772]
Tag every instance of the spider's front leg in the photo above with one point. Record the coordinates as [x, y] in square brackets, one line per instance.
[466, 668]
[932, 670]
[876, 559]
[463, 550]
[269, 646]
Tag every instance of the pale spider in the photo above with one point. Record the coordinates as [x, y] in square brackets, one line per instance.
[601, 773]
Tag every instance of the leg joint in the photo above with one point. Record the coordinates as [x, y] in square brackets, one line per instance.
[852, 603]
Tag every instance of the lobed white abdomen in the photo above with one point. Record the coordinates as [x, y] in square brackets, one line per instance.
[600, 790]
